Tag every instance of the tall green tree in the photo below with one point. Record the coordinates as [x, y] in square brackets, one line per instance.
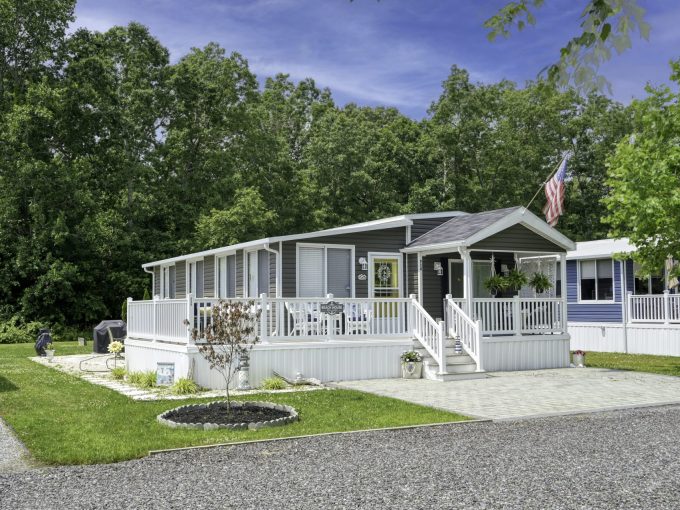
[643, 203]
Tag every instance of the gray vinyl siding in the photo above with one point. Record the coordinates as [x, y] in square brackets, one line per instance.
[272, 273]
[517, 238]
[156, 281]
[181, 279]
[433, 286]
[239, 273]
[209, 276]
[412, 277]
[263, 272]
[387, 241]
[422, 226]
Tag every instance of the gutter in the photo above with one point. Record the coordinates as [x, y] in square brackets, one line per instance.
[153, 280]
[278, 267]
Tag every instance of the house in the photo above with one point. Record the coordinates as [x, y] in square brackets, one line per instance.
[411, 281]
[614, 309]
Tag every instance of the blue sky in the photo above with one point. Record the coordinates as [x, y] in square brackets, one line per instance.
[387, 52]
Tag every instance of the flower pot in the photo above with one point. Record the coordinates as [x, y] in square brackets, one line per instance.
[579, 360]
[50, 354]
[411, 369]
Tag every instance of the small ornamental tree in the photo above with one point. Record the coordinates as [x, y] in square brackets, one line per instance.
[229, 335]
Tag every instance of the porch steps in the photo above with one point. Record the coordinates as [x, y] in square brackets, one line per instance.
[458, 366]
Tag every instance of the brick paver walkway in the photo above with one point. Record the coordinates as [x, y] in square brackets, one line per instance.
[507, 395]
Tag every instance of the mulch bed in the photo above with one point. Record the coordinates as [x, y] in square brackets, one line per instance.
[217, 413]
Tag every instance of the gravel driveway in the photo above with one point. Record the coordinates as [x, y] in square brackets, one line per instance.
[619, 459]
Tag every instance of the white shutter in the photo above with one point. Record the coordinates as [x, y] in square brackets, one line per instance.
[311, 271]
[222, 273]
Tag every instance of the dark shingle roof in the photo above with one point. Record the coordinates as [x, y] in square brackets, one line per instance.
[460, 228]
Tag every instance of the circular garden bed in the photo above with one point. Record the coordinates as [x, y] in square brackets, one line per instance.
[214, 415]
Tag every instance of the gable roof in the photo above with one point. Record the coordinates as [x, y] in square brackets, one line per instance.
[404, 220]
[467, 230]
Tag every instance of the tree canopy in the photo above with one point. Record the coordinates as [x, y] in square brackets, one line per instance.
[111, 156]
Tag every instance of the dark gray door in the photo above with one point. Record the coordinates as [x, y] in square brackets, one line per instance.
[339, 264]
[456, 279]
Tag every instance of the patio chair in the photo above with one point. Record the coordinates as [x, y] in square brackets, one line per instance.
[306, 319]
[357, 318]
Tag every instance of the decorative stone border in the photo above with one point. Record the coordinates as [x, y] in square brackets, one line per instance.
[292, 417]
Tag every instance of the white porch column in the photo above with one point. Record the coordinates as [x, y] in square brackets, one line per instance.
[563, 290]
[467, 281]
[420, 278]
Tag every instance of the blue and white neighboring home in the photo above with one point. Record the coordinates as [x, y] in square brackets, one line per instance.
[612, 309]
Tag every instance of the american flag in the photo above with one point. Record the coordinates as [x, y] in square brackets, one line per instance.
[554, 192]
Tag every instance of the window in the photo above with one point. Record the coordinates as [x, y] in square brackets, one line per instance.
[168, 282]
[596, 280]
[226, 276]
[325, 269]
[195, 278]
[653, 284]
[251, 274]
[481, 272]
[385, 278]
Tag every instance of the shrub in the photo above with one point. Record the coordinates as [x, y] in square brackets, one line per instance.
[118, 373]
[147, 296]
[184, 386]
[14, 331]
[142, 379]
[123, 311]
[274, 383]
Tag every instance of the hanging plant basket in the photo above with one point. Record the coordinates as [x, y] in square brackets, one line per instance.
[540, 282]
[516, 279]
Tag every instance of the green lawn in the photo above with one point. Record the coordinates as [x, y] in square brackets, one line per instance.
[664, 365]
[65, 420]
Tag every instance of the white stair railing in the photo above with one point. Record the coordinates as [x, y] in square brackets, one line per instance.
[463, 328]
[428, 332]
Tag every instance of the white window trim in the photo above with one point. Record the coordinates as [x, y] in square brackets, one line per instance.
[246, 267]
[191, 271]
[384, 255]
[325, 246]
[578, 283]
[451, 262]
[217, 275]
[164, 293]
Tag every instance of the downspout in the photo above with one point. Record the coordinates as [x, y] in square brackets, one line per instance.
[153, 280]
[624, 307]
[278, 266]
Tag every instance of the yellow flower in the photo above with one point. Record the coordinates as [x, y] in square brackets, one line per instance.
[115, 347]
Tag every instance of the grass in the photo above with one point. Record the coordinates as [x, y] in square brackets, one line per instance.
[65, 420]
[664, 365]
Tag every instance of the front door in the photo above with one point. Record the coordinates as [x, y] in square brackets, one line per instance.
[456, 288]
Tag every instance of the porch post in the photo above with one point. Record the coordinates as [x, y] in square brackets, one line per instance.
[420, 278]
[467, 281]
[666, 307]
[264, 318]
[563, 291]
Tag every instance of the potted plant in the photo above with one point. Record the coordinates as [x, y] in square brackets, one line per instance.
[49, 350]
[516, 279]
[540, 283]
[411, 365]
[495, 284]
[579, 359]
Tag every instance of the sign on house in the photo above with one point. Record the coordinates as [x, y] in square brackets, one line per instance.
[331, 308]
[165, 374]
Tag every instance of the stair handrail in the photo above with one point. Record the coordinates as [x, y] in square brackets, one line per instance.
[461, 326]
[430, 333]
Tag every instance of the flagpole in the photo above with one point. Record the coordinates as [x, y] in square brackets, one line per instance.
[545, 182]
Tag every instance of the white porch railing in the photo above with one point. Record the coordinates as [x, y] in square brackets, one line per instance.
[463, 328]
[518, 316]
[281, 319]
[660, 308]
[429, 333]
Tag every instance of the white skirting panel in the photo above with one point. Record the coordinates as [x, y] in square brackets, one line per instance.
[326, 361]
[529, 352]
[659, 339]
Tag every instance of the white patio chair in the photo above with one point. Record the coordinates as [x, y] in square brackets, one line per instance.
[357, 318]
[306, 319]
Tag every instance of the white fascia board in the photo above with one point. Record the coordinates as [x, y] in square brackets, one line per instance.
[433, 248]
[601, 248]
[529, 220]
[393, 222]
[224, 250]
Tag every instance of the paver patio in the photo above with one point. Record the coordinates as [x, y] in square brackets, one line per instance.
[510, 395]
